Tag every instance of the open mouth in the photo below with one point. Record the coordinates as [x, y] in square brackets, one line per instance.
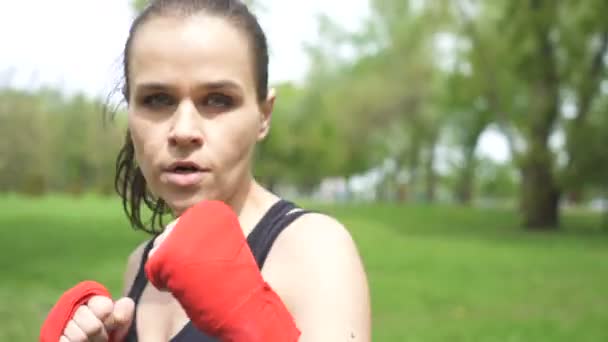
[184, 174]
[185, 168]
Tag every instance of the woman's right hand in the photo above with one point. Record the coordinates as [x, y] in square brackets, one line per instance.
[99, 319]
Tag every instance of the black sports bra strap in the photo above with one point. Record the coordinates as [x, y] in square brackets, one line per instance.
[264, 238]
[260, 240]
[137, 289]
[139, 284]
[276, 213]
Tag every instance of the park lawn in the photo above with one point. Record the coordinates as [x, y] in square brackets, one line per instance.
[436, 273]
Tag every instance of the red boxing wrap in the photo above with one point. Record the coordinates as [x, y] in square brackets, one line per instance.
[206, 263]
[63, 311]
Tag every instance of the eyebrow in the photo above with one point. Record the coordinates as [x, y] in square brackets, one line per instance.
[215, 85]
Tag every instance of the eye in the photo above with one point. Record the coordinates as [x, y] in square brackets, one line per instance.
[158, 100]
[218, 101]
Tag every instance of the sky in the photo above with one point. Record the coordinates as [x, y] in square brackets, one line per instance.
[76, 45]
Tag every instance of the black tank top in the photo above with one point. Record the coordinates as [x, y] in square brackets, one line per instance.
[260, 240]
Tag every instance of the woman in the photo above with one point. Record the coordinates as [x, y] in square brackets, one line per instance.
[196, 86]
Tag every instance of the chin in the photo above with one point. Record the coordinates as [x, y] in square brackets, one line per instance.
[180, 202]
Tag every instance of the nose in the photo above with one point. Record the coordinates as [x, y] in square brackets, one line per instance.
[185, 130]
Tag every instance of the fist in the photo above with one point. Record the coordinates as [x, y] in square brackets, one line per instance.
[99, 319]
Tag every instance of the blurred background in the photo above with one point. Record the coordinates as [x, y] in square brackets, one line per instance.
[462, 142]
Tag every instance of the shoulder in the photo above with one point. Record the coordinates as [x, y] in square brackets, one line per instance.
[319, 246]
[313, 233]
[314, 242]
[132, 266]
[318, 269]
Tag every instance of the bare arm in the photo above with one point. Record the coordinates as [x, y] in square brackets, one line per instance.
[323, 281]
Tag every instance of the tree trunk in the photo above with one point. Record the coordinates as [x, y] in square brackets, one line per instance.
[431, 176]
[540, 193]
[466, 181]
[465, 187]
[412, 169]
[605, 218]
[540, 196]
[604, 223]
[464, 190]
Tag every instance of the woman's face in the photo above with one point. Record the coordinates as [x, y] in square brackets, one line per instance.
[194, 115]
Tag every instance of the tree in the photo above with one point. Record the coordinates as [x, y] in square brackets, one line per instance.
[139, 5]
[551, 53]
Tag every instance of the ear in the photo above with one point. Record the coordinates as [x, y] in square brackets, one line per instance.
[266, 114]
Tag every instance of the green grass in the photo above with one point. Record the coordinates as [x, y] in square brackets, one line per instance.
[436, 273]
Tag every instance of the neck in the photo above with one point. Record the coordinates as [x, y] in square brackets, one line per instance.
[250, 203]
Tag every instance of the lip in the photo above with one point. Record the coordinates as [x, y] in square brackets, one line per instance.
[172, 176]
[184, 163]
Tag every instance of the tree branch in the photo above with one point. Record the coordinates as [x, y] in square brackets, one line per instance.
[589, 85]
[491, 90]
[548, 86]
[587, 91]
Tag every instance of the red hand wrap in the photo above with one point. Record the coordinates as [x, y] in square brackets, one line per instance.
[63, 311]
[207, 265]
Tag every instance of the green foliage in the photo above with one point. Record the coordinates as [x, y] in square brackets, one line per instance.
[139, 5]
[497, 180]
[555, 60]
[52, 143]
[419, 77]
